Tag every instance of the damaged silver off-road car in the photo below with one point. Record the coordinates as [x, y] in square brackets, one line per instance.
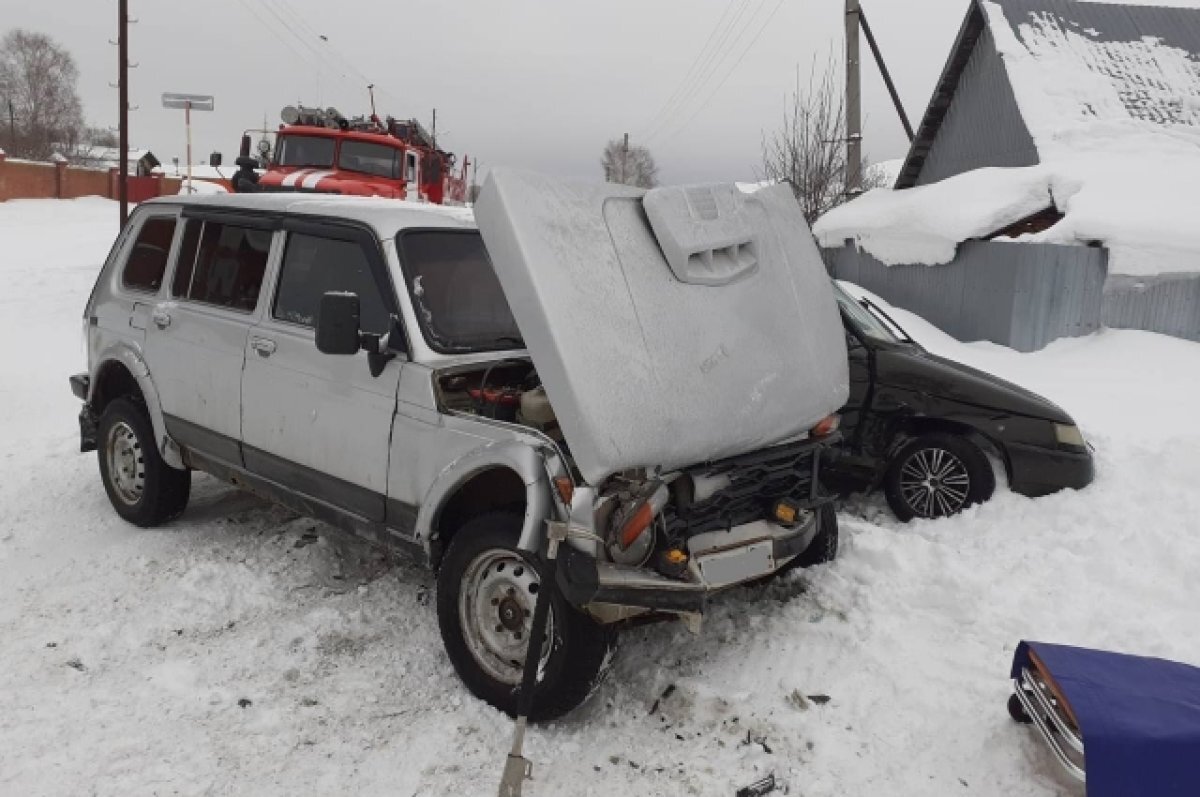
[651, 374]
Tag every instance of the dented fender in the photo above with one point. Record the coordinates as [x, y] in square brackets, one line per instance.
[515, 455]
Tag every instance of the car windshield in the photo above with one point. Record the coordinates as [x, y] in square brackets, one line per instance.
[864, 321]
[305, 151]
[377, 159]
[457, 297]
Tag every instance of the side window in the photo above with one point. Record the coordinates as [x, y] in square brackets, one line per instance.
[313, 266]
[221, 264]
[147, 261]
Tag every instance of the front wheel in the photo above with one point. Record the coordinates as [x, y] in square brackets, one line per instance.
[486, 593]
[937, 475]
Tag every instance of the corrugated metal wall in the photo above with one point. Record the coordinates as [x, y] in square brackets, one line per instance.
[1017, 295]
[1170, 305]
[983, 126]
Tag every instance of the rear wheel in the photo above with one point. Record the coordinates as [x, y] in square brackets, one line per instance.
[485, 599]
[937, 475]
[142, 488]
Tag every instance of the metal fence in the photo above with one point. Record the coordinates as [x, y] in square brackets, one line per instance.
[1026, 295]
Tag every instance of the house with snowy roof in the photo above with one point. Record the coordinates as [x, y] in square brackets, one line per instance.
[1053, 185]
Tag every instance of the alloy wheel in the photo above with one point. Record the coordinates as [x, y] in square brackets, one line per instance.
[934, 483]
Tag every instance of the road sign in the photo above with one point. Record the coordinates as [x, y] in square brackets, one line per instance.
[188, 103]
[195, 102]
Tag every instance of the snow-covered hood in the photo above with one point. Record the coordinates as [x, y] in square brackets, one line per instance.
[669, 327]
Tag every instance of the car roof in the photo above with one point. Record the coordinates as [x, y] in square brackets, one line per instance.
[386, 216]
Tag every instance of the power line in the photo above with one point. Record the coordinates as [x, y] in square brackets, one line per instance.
[710, 62]
[700, 54]
[733, 69]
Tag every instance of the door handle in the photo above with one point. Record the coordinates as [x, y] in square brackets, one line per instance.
[263, 346]
[161, 318]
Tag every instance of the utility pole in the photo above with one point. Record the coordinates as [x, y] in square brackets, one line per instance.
[123, 99]
[853, 102]
[625, 160]
[12, 126]
[434, 133]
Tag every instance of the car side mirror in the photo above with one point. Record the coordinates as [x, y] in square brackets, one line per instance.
[338, 324]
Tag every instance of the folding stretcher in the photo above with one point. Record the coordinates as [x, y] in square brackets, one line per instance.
[1126, 726]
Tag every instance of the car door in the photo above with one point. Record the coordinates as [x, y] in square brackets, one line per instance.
[854, 414]
[318, 423]
[196, 336]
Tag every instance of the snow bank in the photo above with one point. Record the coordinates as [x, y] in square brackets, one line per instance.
[1117, 129]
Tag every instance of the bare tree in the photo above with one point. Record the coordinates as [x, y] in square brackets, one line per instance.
[631, 165]
[41, 109]
[809, 150]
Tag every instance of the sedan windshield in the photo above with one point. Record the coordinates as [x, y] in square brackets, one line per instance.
[305, 151]
[864, 321]
[457, 297]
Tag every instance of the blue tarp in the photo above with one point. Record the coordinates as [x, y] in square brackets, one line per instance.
[1139, 717]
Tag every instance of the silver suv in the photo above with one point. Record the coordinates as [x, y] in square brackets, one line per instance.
[653, 374]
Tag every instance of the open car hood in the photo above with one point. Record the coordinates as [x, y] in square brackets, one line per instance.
[670, 327]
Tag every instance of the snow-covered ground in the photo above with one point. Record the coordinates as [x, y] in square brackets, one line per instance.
[240, 651]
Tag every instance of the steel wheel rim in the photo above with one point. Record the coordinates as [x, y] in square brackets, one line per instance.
[934, 483]
[126, 463]
[495, 609]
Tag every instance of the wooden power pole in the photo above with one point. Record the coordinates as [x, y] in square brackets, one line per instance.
[123, 99]
[853, 102]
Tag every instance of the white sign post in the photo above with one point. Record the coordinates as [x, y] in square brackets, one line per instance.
[189, 103]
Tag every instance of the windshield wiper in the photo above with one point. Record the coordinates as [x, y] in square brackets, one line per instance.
[880, 312]
[511, 339]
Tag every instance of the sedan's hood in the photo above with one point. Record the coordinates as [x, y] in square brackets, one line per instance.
[669, 327]
[915, 369]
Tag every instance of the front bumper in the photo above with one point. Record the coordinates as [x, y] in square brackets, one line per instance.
[747, 553]
[1037, 471]
[88, 420]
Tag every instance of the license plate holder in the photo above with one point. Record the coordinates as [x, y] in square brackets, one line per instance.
[738, 564]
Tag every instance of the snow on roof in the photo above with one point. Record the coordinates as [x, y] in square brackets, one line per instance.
[1114, 111]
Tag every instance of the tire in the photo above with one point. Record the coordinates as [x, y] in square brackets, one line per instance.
[483, 560]
[824, 546]
[937, 475]
[142, 488]
[1017, 711]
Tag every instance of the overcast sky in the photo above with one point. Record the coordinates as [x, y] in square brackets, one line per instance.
[538, 84]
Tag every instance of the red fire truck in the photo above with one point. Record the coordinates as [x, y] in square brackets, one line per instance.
[321, 151]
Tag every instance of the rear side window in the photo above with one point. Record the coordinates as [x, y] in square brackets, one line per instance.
[313, 266]
[222, 264]
[147, 261]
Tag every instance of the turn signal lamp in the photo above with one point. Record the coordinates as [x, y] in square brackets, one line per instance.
[828, 425]
[565, 488]
[786, 512]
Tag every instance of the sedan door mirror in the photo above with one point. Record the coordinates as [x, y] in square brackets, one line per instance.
[338, 324]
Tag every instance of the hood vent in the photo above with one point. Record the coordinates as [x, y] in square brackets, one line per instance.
[705, 232]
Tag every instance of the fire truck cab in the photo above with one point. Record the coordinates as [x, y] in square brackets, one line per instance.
[321, 151]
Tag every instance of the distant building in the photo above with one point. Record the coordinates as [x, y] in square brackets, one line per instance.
[1070, 127]
[141, 162]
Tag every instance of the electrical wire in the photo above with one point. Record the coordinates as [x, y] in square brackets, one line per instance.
[716, 58]
[733, 69]
[700, 56]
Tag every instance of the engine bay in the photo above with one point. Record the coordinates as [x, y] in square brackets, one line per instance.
[507, 390]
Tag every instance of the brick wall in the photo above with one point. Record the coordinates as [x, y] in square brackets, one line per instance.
[31, 180]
